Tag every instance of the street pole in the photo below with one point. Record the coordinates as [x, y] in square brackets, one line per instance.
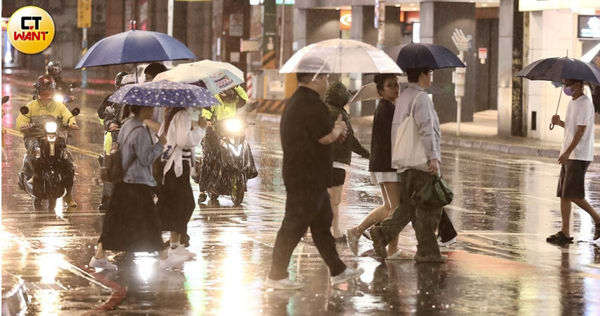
[170, 17]
[282, 36]
[170, 10]
[84, 43]
[380, 7]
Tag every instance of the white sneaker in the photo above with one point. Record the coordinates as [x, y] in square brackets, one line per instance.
[182, 252]
[447, 243]
[283, 284]
[347, 275]
[400, 255]
[171, 261]
[352, 241]
[102, 264]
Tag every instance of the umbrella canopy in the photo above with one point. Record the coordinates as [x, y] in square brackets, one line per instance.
[217, 76]
[340, 56]
[134, 47]
[558, 68]
[431, 56]
[393, 51]
[164, 94]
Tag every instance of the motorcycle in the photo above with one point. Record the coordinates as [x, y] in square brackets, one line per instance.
[227, 164]
[49, 156]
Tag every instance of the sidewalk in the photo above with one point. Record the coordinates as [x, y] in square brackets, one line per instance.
[481, 134]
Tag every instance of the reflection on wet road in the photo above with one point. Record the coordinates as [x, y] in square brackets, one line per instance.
[504, 208]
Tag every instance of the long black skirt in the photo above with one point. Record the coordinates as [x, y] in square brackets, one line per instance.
[132, 222]
[176, 200]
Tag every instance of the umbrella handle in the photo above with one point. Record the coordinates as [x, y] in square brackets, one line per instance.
[557, 105]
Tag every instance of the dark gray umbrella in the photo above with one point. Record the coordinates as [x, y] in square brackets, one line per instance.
[431, 56]
[559, 68]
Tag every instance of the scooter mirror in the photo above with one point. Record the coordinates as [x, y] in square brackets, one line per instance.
[24, 110]
[5, 99]
[75, 111]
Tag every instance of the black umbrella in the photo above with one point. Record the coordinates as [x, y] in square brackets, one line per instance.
[559, 68]
[431, 56]
[556, 69]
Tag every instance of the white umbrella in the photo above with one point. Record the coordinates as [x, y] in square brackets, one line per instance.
[340, 56]
[366, 93]
[369, 92]
[217, 76]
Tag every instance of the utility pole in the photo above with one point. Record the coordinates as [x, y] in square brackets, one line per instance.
[282, 36]
[380, 22]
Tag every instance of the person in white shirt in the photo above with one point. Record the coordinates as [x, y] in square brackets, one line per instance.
[176, 199]
[576, 154]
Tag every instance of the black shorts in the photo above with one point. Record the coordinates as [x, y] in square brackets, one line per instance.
[339, 177]
[571, 183]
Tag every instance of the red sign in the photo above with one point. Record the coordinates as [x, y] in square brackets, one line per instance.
[482, 53]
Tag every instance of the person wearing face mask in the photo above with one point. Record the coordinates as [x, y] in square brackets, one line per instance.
[576, 154]
[45, 105]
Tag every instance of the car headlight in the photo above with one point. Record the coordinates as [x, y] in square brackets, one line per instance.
[59, 98]
[233, 125]
[51, 127]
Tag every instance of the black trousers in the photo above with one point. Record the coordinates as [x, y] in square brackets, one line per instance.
[304, 209]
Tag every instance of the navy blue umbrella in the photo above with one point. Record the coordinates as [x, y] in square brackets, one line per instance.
[558, 68]
[134, 47]
[431, 56]
[164, 94]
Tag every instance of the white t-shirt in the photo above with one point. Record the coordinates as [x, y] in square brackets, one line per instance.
[580, 112]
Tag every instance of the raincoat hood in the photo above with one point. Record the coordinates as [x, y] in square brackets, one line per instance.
[337, 94]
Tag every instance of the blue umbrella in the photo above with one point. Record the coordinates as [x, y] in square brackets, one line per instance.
[431, 56]
[164, 94]
[558, 68]
[134, 47]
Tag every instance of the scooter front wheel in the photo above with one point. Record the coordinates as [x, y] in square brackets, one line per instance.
[237, 191]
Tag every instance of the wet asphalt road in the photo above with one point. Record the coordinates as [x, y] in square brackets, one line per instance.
[504, 207]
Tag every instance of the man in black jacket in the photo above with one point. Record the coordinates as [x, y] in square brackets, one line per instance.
[336, 97]
[306, 137]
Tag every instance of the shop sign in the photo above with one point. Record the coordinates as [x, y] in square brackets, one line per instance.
[588, 26]
[345, 20]
[537, 5]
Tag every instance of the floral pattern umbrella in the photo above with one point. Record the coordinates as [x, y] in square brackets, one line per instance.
[164, 94]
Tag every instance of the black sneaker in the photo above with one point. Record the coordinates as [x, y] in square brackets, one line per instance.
[559, 239]
[378, 243]
[597, 233]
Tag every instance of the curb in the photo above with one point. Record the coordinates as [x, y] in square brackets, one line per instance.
[491, 146]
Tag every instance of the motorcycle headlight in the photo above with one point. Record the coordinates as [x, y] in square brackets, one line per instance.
[51, 127]
[59, 98]
[233, 125]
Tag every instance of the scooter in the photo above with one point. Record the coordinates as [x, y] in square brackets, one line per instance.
[227, 164]
[50, 154]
